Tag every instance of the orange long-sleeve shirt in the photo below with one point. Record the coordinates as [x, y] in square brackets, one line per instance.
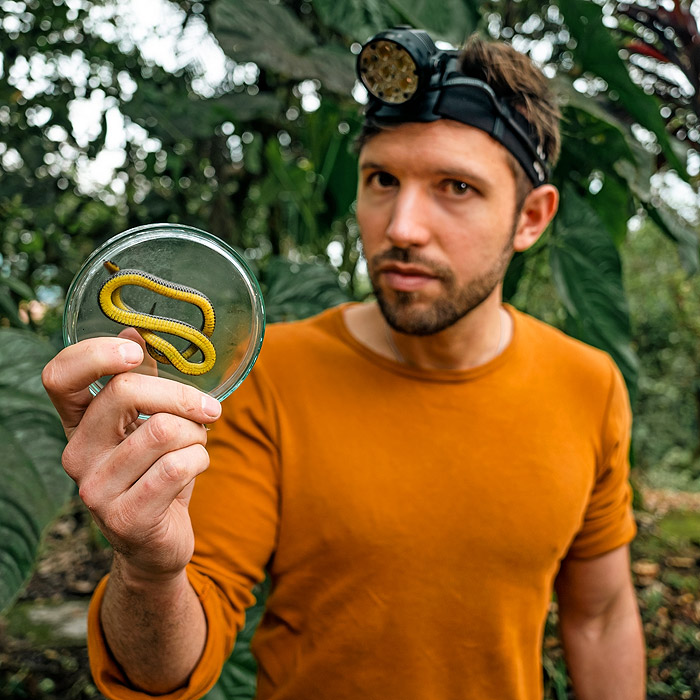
[412, 521]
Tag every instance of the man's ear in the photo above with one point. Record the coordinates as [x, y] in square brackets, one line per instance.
[537, 211]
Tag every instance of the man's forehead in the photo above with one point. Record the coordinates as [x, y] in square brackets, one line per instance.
[443, 146]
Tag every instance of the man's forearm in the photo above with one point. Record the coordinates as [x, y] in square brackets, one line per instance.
[156, 631]
[606, 656]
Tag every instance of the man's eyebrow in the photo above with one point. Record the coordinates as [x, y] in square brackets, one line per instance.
[371, 165]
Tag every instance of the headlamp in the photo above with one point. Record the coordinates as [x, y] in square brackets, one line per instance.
[410, 80]
[394, 63]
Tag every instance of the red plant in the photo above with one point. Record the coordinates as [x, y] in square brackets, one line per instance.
[669, 36]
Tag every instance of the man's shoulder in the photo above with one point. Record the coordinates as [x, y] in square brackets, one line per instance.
[295, 343]
[323, 325]
[556, 366]
[552, 347]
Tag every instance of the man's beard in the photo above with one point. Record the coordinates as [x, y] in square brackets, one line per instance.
[454, 304]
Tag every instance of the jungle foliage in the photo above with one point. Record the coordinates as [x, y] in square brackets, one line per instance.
[262, 157]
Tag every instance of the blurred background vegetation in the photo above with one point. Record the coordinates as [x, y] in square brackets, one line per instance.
[238, 117]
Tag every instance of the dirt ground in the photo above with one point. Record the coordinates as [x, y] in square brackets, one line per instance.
[33, 664]
[36, 664]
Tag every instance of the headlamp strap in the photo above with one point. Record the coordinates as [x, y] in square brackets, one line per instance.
[473, 102]
[443, 91]
[498, 129]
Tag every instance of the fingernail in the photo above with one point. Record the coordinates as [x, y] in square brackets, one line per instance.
[211, 406]
[131, 353]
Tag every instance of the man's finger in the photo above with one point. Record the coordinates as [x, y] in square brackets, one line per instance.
[67, 377]
[159, 435]
[155, 491]
[149, 365]
[130, 394]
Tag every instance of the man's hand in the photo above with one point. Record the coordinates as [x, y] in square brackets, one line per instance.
[601, 628]
[136, 477]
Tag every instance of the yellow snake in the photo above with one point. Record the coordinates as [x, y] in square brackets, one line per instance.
[114, 307]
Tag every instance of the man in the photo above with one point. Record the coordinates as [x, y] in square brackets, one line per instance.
[415, 474]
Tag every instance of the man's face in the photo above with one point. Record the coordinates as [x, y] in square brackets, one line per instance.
[436, 207]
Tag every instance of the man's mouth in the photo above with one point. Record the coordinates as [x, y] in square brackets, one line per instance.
[403, 277]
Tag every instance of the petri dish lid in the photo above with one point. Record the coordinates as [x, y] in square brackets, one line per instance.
[181, 257]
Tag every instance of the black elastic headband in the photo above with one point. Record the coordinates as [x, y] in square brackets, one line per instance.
[438, 90]
[470, 102]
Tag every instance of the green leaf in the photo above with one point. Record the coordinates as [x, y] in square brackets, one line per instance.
[242, 107]
[35, 487]
[300, 290]
[450, 20]
[595, 139]
[331, 154]
[272, 36]
[678, 231]
[252, 157]
[587, 274]
[18, 287]
[615, 143]
[359, 19]
[596, 51]
[293, 181]
[614, 206]
[514, 273]
[8, 308]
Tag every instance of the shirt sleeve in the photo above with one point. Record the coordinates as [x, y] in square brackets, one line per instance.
[234, 511]
[609, 521]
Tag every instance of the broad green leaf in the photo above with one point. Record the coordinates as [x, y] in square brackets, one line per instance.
[449, 20]
[594, 138]
[8, 308]
[272, 36]
[590, 121]
[294, 183]
[18, 287]
[358, 19]
[597, 51]
[241, 107]
[22, 357]
[35, 487]
[678, 231]
[637, 176]
[253, 157]
[254, 24]
[21, 506]
[513, 275]
[172, 111]
[587, 274]
[614, 206]
[300, 290]
[326, 181]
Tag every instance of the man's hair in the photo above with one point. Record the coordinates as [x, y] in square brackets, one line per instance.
[515, 78]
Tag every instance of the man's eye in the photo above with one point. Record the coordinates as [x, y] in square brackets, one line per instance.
[382, 179]
[457, 187]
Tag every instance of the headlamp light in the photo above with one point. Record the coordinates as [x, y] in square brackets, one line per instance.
[410, 80]
[394, 63]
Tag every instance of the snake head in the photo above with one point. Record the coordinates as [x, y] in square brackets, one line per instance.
[111, 267]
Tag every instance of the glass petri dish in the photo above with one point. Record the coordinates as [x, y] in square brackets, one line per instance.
[182, 256]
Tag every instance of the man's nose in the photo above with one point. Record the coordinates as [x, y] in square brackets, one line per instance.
[408, 225]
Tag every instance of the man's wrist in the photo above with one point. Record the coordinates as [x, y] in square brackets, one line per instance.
[139, 580]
